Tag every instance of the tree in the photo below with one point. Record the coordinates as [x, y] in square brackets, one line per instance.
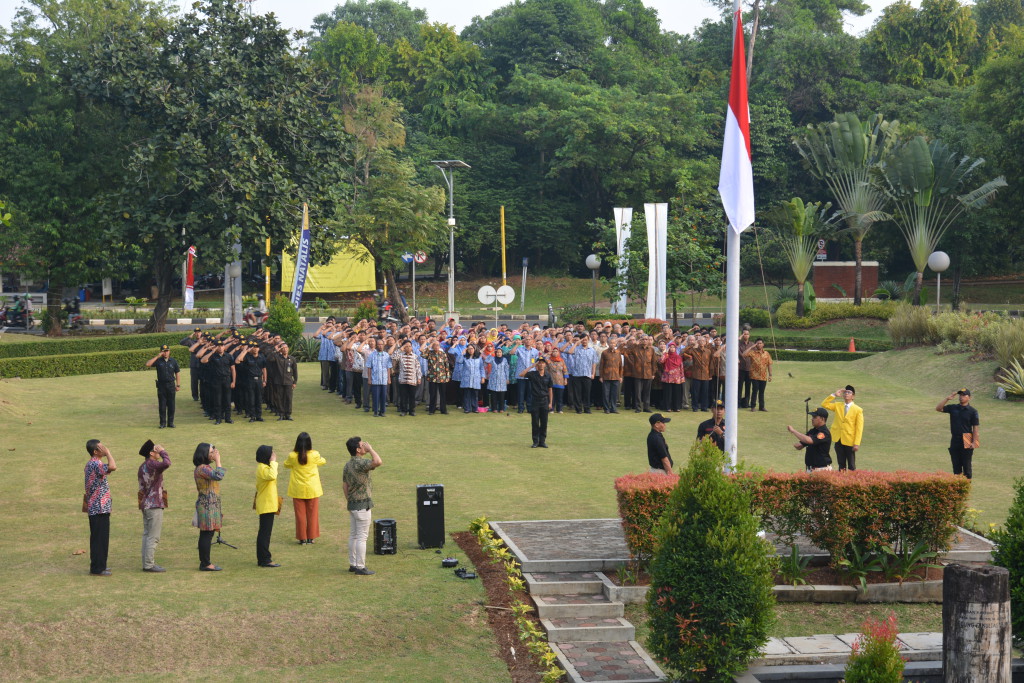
[1009, 553]
[389, 213]
[240, 135]
[390, 20]
[922, 180]
[842, 154]
[710, 604]
[61, 152]
[799, 226]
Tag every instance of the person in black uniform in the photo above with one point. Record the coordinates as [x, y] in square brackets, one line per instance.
[222, 379]
[192, 343]
[714, 428]
[815, 443]
[168, 381]
[658, 456]
[963, 427]
[254, 370]
[541, 394]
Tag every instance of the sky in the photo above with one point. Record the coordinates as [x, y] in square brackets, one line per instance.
[681, 16]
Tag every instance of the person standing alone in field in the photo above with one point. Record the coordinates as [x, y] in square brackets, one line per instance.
[848, 426]
[358, 492]
[963, 426]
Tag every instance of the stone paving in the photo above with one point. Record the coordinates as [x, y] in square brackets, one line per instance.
[600, 661]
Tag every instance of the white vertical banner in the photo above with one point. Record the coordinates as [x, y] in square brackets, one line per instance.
[657, 247]
[623, 230]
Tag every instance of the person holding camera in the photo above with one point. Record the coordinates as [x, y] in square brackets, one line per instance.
[358, 492]
[208, 517]
[97, 503]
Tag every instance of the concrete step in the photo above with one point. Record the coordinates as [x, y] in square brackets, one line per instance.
[563, 583]
[576, 605]
[576, 629]
[588, 662]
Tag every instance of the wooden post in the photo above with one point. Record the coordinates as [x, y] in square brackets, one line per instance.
[976, 637]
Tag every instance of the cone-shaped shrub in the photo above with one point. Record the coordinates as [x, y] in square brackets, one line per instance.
[284, 320]
[711, 602]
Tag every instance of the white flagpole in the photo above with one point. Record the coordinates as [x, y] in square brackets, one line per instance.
[732, 325]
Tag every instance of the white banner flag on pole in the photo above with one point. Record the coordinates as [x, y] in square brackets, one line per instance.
[657, 246]
[623, 230]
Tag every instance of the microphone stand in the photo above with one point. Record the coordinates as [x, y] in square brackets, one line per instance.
[807, 413]
[222, 542]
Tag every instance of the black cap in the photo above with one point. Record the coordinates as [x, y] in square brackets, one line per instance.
[658, 417]
[964, 392]
[719, 404]
[146, 448]
[819, 412]
[165, 347]
[849, 387]
[198, 329]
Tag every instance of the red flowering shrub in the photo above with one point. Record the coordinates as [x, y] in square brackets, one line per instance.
[642, 499]
[832, 509]
[875, 657]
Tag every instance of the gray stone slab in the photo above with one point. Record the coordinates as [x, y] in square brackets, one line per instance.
[818, 645]
[848, 638]
[776, 647]
[922, 641]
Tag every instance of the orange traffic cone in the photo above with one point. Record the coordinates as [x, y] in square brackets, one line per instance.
[853, 347]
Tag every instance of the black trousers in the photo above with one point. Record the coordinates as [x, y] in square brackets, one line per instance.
[628, 392]
[673, 396]
[611, 394]
[558, 398]
[497, 400]
[757, 392]
[539, 424]
[254, 397]
[205, 543]
[354, 387]
[699, 389]
[325, 373]
[581, 393]
[193, 374]
[744, 388]
[642, 394]
[407, 398]
[165, 399]
[436, 391]
[263, 538]
[99, 542]
[220, 399]
[846, 457]
[285, 399]
[961, 457]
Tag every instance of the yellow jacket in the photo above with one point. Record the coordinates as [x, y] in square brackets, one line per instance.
[305, 479]
[848, 427]
[266, 488]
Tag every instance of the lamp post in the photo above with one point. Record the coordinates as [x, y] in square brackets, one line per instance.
[594, 263]
[447, 168]
[938, 261]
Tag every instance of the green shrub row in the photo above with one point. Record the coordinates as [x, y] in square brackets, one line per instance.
[817, 356]
[832, 509]
[755, 317]
[65, 365]
[115, 342]
[829, 343]
[986, 333]
[824, 312]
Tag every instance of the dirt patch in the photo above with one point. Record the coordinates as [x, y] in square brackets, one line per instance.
[521, 664]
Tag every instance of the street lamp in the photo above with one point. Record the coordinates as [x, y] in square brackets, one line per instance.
[447, 168]
[938, 261]
[594, 262]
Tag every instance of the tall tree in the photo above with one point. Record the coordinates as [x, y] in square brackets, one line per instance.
[391, 21]
[240, 135]
[923, 180]
[800, 226]
[842, 154]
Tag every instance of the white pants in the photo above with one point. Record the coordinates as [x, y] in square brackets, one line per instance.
[359, 530]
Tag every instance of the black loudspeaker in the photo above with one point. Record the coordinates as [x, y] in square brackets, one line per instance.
[385, 537]
[430, 515]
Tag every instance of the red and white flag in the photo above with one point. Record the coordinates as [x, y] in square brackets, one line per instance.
[190, 279]
[736, 180]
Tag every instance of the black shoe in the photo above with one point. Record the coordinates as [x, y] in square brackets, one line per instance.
[535, 445]
[587, 412]
[288, 418]
[270, 564]
[647, 410]
[763, 410]
[280, 417]
[543, 445]
[105, 572]
[252, 419]
[614, 412]
[170, 426]
[155, 569]
[229, 421]
[259, 419]
[162, 426]
[210, 568]
[363, 571]
[637, 410]
[216, 422]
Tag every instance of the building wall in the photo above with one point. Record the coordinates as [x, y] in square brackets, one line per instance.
[844, 274]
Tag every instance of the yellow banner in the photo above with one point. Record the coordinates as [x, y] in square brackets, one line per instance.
[351, 270]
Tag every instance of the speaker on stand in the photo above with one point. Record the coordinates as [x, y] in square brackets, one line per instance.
[430, 515]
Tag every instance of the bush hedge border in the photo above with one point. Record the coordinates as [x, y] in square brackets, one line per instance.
[101, 362]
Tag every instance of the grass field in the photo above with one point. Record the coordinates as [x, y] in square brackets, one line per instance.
[413, 621]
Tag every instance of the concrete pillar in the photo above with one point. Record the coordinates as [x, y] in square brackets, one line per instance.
[976, 636]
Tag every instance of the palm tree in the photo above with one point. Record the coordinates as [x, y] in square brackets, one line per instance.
[842, 153]
[923, 180]
[800, 225]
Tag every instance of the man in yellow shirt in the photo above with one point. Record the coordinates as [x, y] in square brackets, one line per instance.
[848, 426]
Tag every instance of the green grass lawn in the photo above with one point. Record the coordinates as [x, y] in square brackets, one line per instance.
[412, 621]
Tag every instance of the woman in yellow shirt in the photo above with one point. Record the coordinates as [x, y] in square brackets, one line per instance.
[267, 503]
[304, 488]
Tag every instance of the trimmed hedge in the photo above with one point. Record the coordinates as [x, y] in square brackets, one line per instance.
[66, 365]
[786, 354]
[830, 343]
[755, 317]
[786, 314]
[833, 509]
[118, 342]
